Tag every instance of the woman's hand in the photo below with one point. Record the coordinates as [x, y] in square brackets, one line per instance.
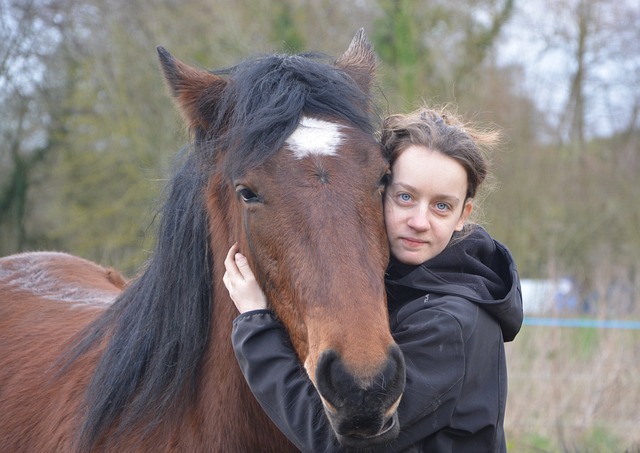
[241, 283]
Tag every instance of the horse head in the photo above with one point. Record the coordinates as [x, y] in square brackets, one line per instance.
[297, 179]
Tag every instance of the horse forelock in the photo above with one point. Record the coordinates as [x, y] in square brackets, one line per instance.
[266, 98]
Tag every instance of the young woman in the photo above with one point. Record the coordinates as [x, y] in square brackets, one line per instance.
[453, 295]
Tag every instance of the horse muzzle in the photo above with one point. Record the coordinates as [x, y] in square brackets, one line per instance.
[363, 413]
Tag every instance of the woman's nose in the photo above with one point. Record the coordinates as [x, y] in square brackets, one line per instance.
[419, 220]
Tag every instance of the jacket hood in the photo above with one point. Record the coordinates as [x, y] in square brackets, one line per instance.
[473, 266]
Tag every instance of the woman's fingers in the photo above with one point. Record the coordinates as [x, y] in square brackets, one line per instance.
[236, 265]
[230, 263]
[243, 267]
[241, 282]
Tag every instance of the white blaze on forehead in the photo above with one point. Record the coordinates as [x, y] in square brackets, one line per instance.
[315, 136]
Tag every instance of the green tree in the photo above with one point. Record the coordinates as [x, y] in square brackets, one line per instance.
[285, 28]
[436, 51]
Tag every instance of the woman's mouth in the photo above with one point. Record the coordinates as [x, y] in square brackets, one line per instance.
[412, 242]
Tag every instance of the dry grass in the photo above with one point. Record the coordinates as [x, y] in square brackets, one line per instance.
[574, 390]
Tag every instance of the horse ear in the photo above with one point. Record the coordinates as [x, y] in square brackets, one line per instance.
[359, 61]
[196, 92]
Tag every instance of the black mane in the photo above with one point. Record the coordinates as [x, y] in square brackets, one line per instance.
[159, 325]
[157, 331]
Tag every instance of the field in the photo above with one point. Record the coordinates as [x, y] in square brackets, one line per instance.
[574, 390]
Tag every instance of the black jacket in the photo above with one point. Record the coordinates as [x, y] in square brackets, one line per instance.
[450, 316]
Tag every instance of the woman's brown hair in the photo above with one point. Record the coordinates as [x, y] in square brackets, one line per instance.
[444, 132]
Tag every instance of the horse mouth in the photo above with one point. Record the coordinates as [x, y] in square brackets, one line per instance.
[387, 433]
[389, 425]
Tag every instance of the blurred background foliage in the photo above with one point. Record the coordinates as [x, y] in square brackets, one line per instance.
[88, 133]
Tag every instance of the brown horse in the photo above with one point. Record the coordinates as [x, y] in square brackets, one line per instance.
[284, 161]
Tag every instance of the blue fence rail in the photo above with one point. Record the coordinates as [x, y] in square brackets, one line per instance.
[578, 322]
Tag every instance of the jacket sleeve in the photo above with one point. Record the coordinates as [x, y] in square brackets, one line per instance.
[432, 344]
[279, 382]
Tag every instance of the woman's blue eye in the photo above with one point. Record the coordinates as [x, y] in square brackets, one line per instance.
[442, 206]
[405, 197]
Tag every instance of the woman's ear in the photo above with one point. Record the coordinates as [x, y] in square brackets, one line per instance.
[466, 212]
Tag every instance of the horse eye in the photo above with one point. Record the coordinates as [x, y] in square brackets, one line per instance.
[384, 181]
[247, 195]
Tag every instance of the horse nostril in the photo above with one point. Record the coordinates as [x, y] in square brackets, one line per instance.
[397, 372]
[331, 379]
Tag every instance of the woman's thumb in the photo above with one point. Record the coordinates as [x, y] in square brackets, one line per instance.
[241, 261]
[243, 266]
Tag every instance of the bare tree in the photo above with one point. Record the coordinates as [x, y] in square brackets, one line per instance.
[31, 82]
[590, 47]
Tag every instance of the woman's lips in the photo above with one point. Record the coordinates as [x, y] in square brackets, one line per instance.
[412, 242]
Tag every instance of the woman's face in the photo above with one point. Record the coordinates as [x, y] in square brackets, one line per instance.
[424, 204]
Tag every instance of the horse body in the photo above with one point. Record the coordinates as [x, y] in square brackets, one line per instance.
[46, 298]
[284, 162]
